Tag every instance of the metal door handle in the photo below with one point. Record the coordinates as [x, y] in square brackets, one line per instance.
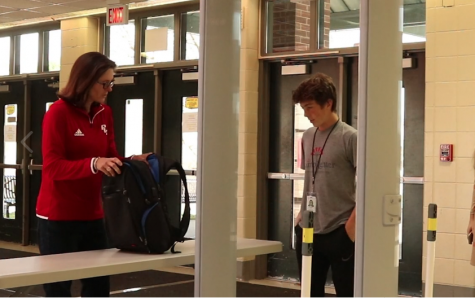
[286, 176]
[187, 172]
[32, 167]
[10, 166]
[301, 176]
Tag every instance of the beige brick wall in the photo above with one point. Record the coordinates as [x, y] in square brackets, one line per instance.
[78, 36]
[450, 114]
[247, 168]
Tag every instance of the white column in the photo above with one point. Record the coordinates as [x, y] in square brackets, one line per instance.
[380, 75]
[218, 92]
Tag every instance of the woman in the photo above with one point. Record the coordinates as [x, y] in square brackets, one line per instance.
[78, 147]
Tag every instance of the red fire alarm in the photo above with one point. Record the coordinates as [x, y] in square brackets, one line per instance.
[446, 152]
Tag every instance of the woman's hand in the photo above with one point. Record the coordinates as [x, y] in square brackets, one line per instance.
[108, 166]
[141, 157]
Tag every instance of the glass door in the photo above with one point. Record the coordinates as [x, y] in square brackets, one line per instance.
[179, 135]
[12, 95]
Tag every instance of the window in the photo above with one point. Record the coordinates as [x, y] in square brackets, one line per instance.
[344, 25]
[190, 35]
[5, 56]
[52, 50]
[29, 47]
[289, 27]
[189, 155]
[301, 124]
[121, 43]
[159, 38]
[9, 157]
[48, 105]
[309, 25]
[133, 126]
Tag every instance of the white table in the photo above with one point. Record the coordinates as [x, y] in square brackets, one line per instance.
[20, 272]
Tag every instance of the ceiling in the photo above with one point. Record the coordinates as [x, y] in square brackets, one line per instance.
[21, 12]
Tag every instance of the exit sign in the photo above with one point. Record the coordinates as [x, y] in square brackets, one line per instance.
[117, 15]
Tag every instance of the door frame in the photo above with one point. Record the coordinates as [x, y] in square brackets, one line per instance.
[344, 99]
[21, 84]
[23, 152]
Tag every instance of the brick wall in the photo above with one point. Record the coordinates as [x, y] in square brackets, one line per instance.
[291, 25]
[326, 24]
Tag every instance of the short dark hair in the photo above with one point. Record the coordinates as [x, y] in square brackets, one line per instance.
[319, 88]
[87, 69]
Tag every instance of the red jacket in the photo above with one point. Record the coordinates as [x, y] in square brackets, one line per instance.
[71, 139]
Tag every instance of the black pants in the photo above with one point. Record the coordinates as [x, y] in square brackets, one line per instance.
[335, 250]
[56, 237]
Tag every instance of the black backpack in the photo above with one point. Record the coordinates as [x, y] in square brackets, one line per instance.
[135, 208]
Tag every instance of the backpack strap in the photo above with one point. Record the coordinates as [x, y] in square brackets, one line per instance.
[185, 221]
[166, 164]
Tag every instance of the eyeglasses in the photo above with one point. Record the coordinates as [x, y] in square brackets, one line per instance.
[106, 85]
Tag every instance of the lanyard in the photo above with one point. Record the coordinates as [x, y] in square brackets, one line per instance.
[315, 170]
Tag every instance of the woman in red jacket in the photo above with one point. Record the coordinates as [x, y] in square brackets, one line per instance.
[78, 147]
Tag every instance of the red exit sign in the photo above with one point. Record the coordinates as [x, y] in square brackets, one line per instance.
[117, 15]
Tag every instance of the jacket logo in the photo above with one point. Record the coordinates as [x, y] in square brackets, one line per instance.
[104, 128]
[78, 133]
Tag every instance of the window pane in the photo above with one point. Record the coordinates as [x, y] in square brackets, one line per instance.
[133, 126]
[29, 44]
[5, 56]
[54, 50]
[191, 21]
[122, 43]
[344, 25]
[165, 43]
[401, 185]
[189, 156]
[9, 157]
[301, 124]
[48, 105]
[288, 26]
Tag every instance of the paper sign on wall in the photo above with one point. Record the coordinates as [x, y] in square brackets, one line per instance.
[9, 133]
[156, 39]
[190, 122]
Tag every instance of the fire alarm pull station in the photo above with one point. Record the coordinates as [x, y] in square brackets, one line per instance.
[446, 152]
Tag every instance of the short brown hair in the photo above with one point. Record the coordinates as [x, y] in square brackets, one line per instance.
[87, 69]
[319, 88]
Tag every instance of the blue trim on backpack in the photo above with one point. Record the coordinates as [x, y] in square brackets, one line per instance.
[137, 177]
[154, 167]
[145, 216]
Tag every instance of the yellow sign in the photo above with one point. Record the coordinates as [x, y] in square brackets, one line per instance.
[191, 103]
[10, 109]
